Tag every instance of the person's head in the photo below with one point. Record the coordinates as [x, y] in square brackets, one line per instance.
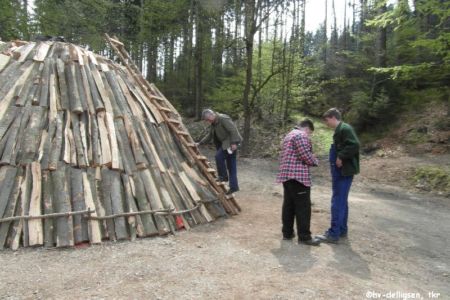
[307, 126]
[332, 117]
[208, 115]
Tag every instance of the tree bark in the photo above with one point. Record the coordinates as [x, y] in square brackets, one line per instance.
[198, 62]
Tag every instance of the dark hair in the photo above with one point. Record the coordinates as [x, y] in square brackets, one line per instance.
[332, 112]
[307, 123]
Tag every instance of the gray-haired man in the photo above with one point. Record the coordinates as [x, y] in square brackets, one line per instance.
[226, 138]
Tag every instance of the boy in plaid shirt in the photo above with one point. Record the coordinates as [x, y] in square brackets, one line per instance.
[296, 158]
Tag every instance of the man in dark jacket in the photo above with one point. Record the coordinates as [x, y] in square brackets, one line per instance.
[226, 138]
[344, 164]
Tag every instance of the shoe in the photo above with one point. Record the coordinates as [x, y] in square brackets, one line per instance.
[344, 235]
[289, 237]
[223, 179]
[311, 242]
[231, 191]
[326, 238]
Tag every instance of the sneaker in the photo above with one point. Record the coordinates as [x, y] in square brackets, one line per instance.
[289, 237]
[311, 242]
[344, 235]
[326, 238]
[231, 191]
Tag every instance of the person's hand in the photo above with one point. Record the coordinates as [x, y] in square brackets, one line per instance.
[233, 147]
[339, 162]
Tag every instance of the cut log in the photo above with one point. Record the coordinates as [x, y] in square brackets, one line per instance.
[119, 99]
[110, 100]
[124, 145]
[80, 229]
[95, 95]
[35, 226]
[84, 130]
[136, 228]
[104, 140]
[32, 136]
[112, 141]
[17, 227]
[55, 152]
[47, 145]
[26, 197]
[48, 209]
[8, 75]
[138, 153]
[87, 91]
[82, 96]
[45, 81]
[106, 201]
[134, 107]
[95, 235]
[9, 211]
[25, 51]
[64, 95]
[10, 143]
[15, 85]
[54, 100]
[61, 204]
[7, 179]
[143, 205]
[194, 195]
[72, 88]
[81, 157]
[24, 92]
[155, 201]
[117, 201]
[101, 89]
[94, 138]
[4, 60]
[41, 51]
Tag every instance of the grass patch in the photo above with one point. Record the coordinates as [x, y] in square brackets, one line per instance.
[432, 178]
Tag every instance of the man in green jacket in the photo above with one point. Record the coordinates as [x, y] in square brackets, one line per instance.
[226, 138]
[344, 164]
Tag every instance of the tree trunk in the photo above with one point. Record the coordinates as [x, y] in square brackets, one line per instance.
[249, 35]
[198, 62]
[237, 34]
[302, 29]
[325, 36]
[381, 41]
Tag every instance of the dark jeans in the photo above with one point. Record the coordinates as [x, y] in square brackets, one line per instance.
[339, 199]
[223, 156]
[296, 205]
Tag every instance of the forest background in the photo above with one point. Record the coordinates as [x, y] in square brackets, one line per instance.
[256, 61]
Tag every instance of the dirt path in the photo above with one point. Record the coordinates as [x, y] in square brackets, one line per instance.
[397, 243]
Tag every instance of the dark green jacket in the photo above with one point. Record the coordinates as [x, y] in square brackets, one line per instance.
[347, 148]
[225, 131]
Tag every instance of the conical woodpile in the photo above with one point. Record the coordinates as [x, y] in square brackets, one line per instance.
[91, 151]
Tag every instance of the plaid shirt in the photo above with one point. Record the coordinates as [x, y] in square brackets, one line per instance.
[296, 158]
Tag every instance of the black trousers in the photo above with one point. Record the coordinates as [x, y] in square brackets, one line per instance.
[296, 206]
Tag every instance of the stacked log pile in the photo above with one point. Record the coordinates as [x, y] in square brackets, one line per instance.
[91, 151]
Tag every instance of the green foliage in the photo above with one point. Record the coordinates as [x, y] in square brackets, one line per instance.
[13, 20]
[78, 21]
[367, 110]
[422, 50]
[434, 178]
[226, 97]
